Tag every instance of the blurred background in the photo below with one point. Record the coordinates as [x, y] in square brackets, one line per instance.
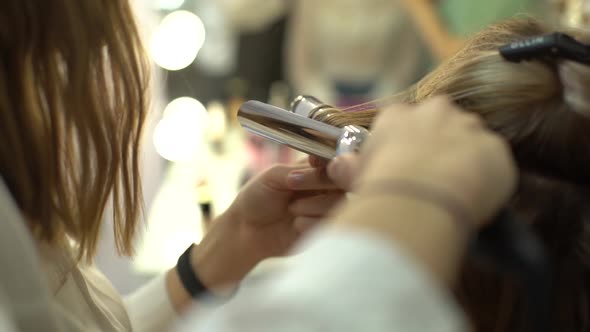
[209, 56]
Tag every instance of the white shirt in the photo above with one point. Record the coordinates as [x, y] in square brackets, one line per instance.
[345, 281]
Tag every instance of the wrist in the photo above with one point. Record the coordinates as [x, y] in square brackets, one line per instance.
[218, 260]
[424, 193]
[426, 231]
[454, 193]
[179, 296]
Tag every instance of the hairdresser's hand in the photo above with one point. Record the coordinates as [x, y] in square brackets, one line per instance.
[269, 214]
[427, 176]
[438, 145]
[281, 203]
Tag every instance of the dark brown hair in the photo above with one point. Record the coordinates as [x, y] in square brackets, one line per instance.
[542, 108]
[72, 103]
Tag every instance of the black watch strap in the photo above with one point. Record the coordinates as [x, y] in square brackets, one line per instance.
[189, 279]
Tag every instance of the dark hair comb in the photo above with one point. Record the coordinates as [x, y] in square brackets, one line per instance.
[556, 45]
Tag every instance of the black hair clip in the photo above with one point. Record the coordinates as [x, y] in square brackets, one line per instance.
[554, 45]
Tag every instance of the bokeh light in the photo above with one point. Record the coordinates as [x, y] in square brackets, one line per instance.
[180, 134]
[177, 40]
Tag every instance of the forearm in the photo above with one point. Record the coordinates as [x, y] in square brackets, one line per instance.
[218, 262]
[427, 232]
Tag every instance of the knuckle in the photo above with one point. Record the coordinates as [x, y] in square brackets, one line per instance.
[438, 108]
[497, 144]
[472, 119]
[442, 102]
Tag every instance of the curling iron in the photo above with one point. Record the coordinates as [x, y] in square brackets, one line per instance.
[506, 244]
[297, 130]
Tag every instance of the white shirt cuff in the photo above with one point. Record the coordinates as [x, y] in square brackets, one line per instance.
[149, 308]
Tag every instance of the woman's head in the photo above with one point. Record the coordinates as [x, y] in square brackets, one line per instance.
[542, 107]
[72, 102]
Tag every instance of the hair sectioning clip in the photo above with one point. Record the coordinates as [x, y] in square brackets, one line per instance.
[555, 45]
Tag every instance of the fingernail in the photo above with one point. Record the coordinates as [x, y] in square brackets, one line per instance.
[295, 177]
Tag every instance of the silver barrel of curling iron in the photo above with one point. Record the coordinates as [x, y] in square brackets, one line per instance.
[296, 129]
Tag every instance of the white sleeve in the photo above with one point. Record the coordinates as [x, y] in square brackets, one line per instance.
[7, 323]
[345, 282]
[149, 308]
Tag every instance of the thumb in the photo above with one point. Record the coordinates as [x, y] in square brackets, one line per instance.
[344, 169]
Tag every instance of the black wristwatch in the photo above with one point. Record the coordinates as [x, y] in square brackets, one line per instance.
[191, 282]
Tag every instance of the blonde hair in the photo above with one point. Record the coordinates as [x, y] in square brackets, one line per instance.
[73, 78]
[542, 108]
